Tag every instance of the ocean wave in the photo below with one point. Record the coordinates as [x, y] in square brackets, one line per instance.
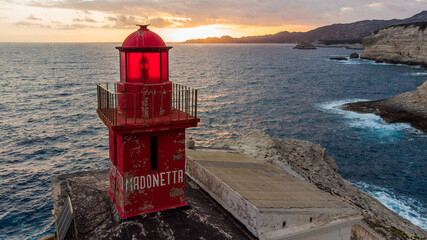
[355, 61]
[406, 207]
[43, 232]
[416, 74]
[358, 61]
[368, 121]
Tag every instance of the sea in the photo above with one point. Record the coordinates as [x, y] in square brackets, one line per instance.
[49, 125]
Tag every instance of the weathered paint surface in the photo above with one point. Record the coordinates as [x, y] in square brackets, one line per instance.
[142, 181]
[142, 100]
[134, 187]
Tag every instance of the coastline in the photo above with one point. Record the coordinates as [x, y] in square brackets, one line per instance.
[393, 61]
[409, 107]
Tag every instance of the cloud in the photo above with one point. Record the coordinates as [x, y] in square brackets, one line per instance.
[251, 13]
[31, 24]
[85, 19]
[345, 9]
[200, 12]
[54, 25]
[160, 23]
[73, 26]
[123, 21]
[375, 4]
[33, 18]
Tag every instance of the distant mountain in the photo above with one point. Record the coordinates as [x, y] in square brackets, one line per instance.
[331, 34]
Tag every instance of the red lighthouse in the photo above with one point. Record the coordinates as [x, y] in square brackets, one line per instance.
[147, 116]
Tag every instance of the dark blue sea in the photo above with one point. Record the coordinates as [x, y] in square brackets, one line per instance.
[48, 123]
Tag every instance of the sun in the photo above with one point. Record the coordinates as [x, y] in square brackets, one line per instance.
[219, 30]
[183, 34]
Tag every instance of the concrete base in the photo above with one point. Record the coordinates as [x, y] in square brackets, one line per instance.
[271, 203]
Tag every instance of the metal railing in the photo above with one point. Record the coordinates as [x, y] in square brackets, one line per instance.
[139, 107]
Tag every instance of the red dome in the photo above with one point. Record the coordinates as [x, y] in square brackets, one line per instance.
[143, 38]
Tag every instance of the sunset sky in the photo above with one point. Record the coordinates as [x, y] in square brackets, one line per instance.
[179, 20]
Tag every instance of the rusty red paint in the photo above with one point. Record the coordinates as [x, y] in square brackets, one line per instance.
[135, 186]
[140, 96]
[143, 37]
[137, 189]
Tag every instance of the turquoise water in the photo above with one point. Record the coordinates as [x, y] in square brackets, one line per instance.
[49, 125]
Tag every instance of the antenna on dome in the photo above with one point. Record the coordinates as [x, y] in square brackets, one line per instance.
[143, 26]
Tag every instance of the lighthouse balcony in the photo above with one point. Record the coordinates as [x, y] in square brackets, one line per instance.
[146, 105]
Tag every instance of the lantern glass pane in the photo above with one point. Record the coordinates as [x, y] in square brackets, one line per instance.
[153, 67]
[143, 67]
[164, 66]
[134, 67]
[122, 67]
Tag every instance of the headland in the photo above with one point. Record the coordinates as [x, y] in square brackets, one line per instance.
[404, 43]
[409, 107]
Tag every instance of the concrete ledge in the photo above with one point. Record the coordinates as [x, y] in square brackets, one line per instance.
[270, 202]
[335, 229]
[238, 206]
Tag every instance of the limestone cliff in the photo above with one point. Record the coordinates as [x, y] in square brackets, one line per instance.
[409, 107]
[406, 43]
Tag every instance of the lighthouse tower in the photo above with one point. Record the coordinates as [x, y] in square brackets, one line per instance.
[146, 115]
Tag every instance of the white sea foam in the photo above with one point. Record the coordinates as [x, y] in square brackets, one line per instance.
[355, 61]
[373, 123]
[406, 207]
[417, 74]
[358, 61]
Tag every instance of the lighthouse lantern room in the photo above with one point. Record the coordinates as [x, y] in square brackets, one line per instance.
[146, 115]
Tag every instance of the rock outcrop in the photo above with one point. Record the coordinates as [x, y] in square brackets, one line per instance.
[357, 46]
[422, 91]
[338, 58]
[304, 46]
[354, 55]
[311, 162]
[406, 43]
[409, 107]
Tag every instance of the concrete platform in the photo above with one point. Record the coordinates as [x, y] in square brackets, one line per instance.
[271, 203]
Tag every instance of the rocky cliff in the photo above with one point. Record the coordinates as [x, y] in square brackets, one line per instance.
[311, 162]
[409, 107]
[406, 43]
